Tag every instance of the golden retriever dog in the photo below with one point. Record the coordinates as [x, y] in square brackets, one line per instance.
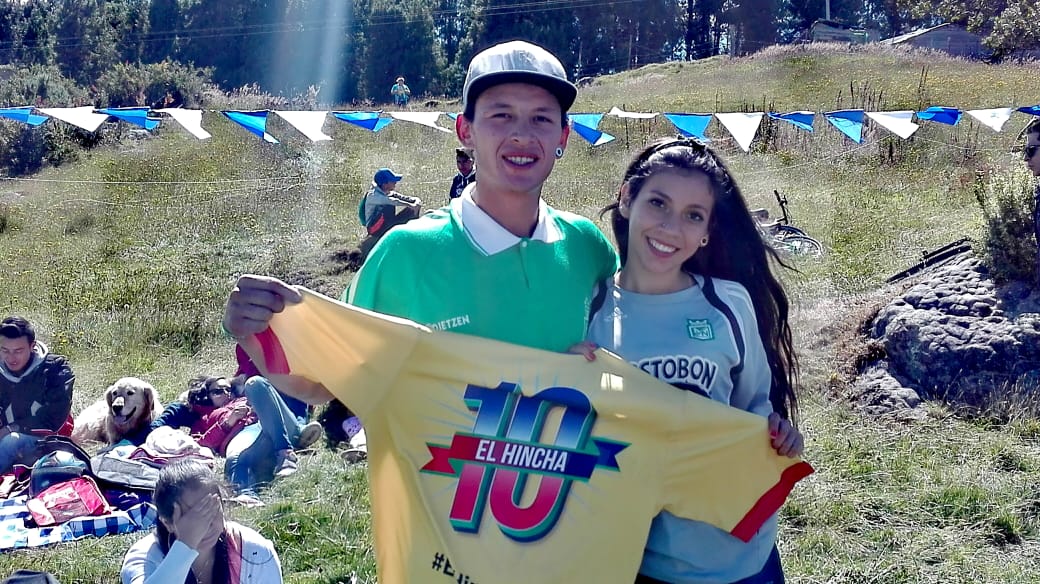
[129, 406]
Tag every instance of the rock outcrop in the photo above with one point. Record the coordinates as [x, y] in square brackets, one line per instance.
[954, 335]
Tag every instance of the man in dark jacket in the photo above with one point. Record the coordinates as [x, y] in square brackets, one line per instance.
[467, 173]
[35, 392]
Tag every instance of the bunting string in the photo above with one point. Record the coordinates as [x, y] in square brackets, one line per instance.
[742, 127]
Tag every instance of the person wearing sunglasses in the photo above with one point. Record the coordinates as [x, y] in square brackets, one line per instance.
[1032, 133]
[1032, 158]
[212, 413]
[226, 423]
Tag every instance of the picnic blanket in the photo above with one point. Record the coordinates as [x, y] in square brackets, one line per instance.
[15, 533]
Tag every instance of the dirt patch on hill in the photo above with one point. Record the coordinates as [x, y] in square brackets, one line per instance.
[325, 270]
[834, 345]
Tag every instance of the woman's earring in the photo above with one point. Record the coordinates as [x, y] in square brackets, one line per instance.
[559, 152]
[704, 241]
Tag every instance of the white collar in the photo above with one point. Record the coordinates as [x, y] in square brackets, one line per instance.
[488, 235]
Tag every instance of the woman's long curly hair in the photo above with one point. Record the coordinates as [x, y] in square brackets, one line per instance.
[735, 252]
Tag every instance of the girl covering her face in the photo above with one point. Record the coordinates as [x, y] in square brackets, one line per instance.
[193, 542]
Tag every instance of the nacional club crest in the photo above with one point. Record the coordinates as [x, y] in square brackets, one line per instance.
[494, 461]
[699, 329]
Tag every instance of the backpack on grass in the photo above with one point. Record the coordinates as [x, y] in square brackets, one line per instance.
[54, 460]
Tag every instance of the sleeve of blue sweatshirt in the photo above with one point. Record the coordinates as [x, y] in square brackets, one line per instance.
[175, 415]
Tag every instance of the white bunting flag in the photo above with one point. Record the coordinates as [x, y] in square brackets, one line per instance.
[899, 122]
[992, 118]
[309, 123]
[742, 126]
[81, 117]
[428, 119]
[191, 120]
[614, 111]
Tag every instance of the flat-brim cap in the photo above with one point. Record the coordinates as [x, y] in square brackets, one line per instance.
[518, 62]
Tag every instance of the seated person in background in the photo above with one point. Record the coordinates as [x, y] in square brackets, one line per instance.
[228, 417]
[256, 452]
[212, 415]
[283, 428]
[379, 207]
[247, 369]
[189, 414]
[35, 392]
[192, 540]
[466, 175]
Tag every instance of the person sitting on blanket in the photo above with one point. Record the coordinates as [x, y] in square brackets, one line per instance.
[216, 417]
[35, 392]
[260, 453]
[192, 538]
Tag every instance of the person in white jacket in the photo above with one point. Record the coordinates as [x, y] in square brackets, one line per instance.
[193, 538]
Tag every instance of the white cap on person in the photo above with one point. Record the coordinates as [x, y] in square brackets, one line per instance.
[518, 62]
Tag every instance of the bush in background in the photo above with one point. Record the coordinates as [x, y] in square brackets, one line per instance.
[23, 148]
[158, 85]
[1008, 244]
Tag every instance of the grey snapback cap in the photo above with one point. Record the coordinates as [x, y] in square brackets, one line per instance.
[518, 62]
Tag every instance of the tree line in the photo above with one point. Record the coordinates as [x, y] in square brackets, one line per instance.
[352, 50]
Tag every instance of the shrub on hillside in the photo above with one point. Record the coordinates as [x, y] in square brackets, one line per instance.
[247, 97]
[6, 218]
[39, 86]
[1008, 245]
[166, 84]
[23, 148]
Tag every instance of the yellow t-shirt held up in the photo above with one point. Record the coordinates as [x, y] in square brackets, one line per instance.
[495, 463]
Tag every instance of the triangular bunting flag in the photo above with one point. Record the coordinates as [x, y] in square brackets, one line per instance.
[254, 121]
[848, 122]
[994, 118]
[587, 120]
[23, 114]
[367, 120]
[1033, 110]
[428, 119]
[592, 136]
[137, 116]
[742, 126]
[190, 120]
[614, 111]
[308, 123]
[943, 115]
[803, 120]
[586, 126]
[899, 122]
[691, 125]
[81, 117]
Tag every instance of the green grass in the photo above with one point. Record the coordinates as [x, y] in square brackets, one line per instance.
[125, 258]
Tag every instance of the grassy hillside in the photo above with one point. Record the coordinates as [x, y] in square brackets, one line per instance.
[125, 258]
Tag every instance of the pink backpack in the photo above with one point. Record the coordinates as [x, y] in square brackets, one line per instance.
[79, 497]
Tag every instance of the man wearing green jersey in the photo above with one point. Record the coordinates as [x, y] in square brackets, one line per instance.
[497, 262]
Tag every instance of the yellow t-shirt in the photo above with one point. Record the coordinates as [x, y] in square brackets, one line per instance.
[491, 462]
